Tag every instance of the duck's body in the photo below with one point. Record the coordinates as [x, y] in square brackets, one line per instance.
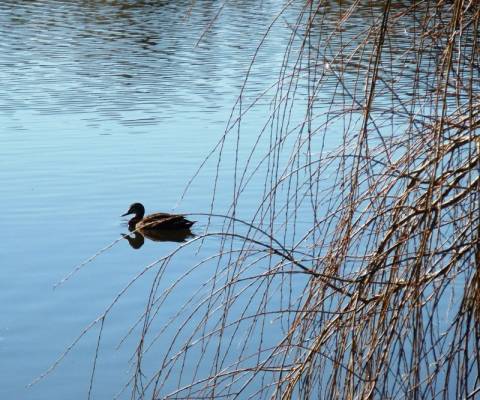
[161, 221]
[157, 221]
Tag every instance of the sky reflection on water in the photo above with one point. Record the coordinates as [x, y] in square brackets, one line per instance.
[104, 104]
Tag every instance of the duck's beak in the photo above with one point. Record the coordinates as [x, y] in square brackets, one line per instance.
[128, 212]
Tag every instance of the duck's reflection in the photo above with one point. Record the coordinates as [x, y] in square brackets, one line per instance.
[159, 227]
[137, 238]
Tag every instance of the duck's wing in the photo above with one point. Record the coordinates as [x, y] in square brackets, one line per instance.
[164, 220]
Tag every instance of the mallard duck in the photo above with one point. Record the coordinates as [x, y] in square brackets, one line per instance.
[157, 221]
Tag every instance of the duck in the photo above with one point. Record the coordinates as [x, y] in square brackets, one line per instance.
[155, 222]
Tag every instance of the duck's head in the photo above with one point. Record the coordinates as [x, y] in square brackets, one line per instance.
[136, 208]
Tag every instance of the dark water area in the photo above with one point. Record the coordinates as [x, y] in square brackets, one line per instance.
[104, 103]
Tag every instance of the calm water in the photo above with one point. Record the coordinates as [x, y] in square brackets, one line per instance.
[103, 104]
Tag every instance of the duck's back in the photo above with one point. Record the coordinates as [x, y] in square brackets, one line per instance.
[164, 221]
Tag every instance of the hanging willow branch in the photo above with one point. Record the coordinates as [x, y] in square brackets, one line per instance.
[356, 274]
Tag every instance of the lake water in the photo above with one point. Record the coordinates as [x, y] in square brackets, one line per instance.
[104, 103]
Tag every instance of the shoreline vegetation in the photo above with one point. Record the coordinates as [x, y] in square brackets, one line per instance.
[357, 274]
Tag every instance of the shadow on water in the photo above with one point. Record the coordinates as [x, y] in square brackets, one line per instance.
[136, 238]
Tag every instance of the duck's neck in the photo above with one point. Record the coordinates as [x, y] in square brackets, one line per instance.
[139, 214]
